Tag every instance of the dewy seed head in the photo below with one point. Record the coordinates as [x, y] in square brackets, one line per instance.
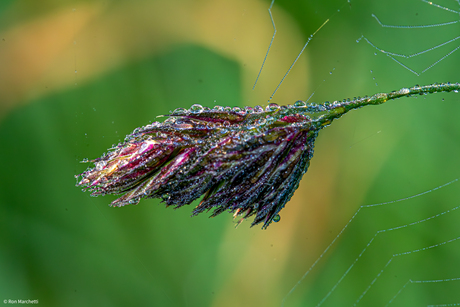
[248, 163]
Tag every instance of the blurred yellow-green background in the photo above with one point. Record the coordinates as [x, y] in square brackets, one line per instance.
[77, 76]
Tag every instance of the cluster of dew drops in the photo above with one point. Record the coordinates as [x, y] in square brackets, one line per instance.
[254, 124]
[258, 119]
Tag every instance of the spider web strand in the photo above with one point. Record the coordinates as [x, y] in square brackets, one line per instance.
[298, 56]
[270, 45]
[349, 222]
[403, 254]
[414, 27]
[441, 7]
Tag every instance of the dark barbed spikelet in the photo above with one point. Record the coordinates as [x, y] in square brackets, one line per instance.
[247, 161]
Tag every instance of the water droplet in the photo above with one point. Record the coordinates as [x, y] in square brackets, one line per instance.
[196, 109]
[372, 71]
[179, 111]
[404, 91]
[218, 108]
[272, 107]
[145, 146]
[249, 126]
[134, 201]
[85, 160]
[249, 110]
[375, 53]
[170, 121]
[261, 121]
[242, 112]
[258, 109]
[300, 103]
[276, 218]
[100, 165]
[226, 123]
[270, 119]
[236, 109]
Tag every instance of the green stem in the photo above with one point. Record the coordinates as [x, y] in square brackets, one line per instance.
[337, 109]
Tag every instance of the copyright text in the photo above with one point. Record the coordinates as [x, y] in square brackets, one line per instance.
[19, 301]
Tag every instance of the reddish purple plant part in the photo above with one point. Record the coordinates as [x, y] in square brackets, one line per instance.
[246, 161]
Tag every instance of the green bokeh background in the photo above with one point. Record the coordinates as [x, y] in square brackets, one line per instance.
[65, 248]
